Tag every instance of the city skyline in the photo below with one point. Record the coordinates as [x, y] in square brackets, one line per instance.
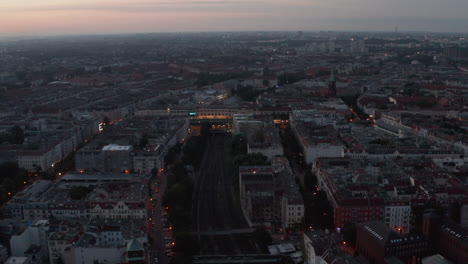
[52, 17]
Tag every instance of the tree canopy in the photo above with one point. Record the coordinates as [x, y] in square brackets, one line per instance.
[14, 135]
[12, 179]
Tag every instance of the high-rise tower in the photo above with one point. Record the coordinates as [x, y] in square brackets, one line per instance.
[332, 85]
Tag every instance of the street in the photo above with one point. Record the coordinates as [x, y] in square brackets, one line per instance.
[158, 225]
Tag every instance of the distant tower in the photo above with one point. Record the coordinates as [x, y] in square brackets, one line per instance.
[332, 85]
[396, 29]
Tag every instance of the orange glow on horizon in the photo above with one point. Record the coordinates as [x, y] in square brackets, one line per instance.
[56, 22]
[71, 17]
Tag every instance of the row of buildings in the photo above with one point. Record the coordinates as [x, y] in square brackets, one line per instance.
[137, 144]
[269, 195]
[441, 241]
[80, 219]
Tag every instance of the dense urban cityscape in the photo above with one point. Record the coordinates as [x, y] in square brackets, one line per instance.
[235, 147]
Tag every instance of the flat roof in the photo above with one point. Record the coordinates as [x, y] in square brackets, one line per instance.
[100, 177]
[115, 147]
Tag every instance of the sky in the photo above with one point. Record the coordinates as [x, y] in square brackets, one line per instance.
[70, 17]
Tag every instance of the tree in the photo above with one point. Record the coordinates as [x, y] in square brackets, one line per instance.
[259, 136]
[154, 171]
[193, 151]
[251, 159]
[172, 153]
[310, 179]
[349, 233]
[186, 243]
[4, 137]
[262, 237]
[176, 174]
[12, 179]
[16, 135]
[143, 141]
[247, 93]
[106, 120]
[48, 176]
[289, 78]
[79, 192]
[239, 145]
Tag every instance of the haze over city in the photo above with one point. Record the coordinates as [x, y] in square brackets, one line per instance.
[56, 17]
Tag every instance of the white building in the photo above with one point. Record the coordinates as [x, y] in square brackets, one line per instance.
[292, 209]
[59, 241]
[26, 205]
[326, 150]
[69, 210]
[397, 216]
[268, 150]
[46, 157]
[105, 241]
[120, 209]
[146, 161]
[117, 158]
[43, 159]
[35, 235]
[316, 136]
[310, 255]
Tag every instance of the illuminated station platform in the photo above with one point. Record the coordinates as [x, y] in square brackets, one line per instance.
[221, 121]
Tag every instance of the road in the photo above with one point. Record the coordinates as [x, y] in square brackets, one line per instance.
[157, 221]
[215, 207]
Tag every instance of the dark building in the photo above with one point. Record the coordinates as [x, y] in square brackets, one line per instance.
[135, 252]
[332, 85]
[237, 259]
[377, 243]
[448, 238]
[456, 52]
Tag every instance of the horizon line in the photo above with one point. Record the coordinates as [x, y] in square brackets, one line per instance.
[10, 37]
